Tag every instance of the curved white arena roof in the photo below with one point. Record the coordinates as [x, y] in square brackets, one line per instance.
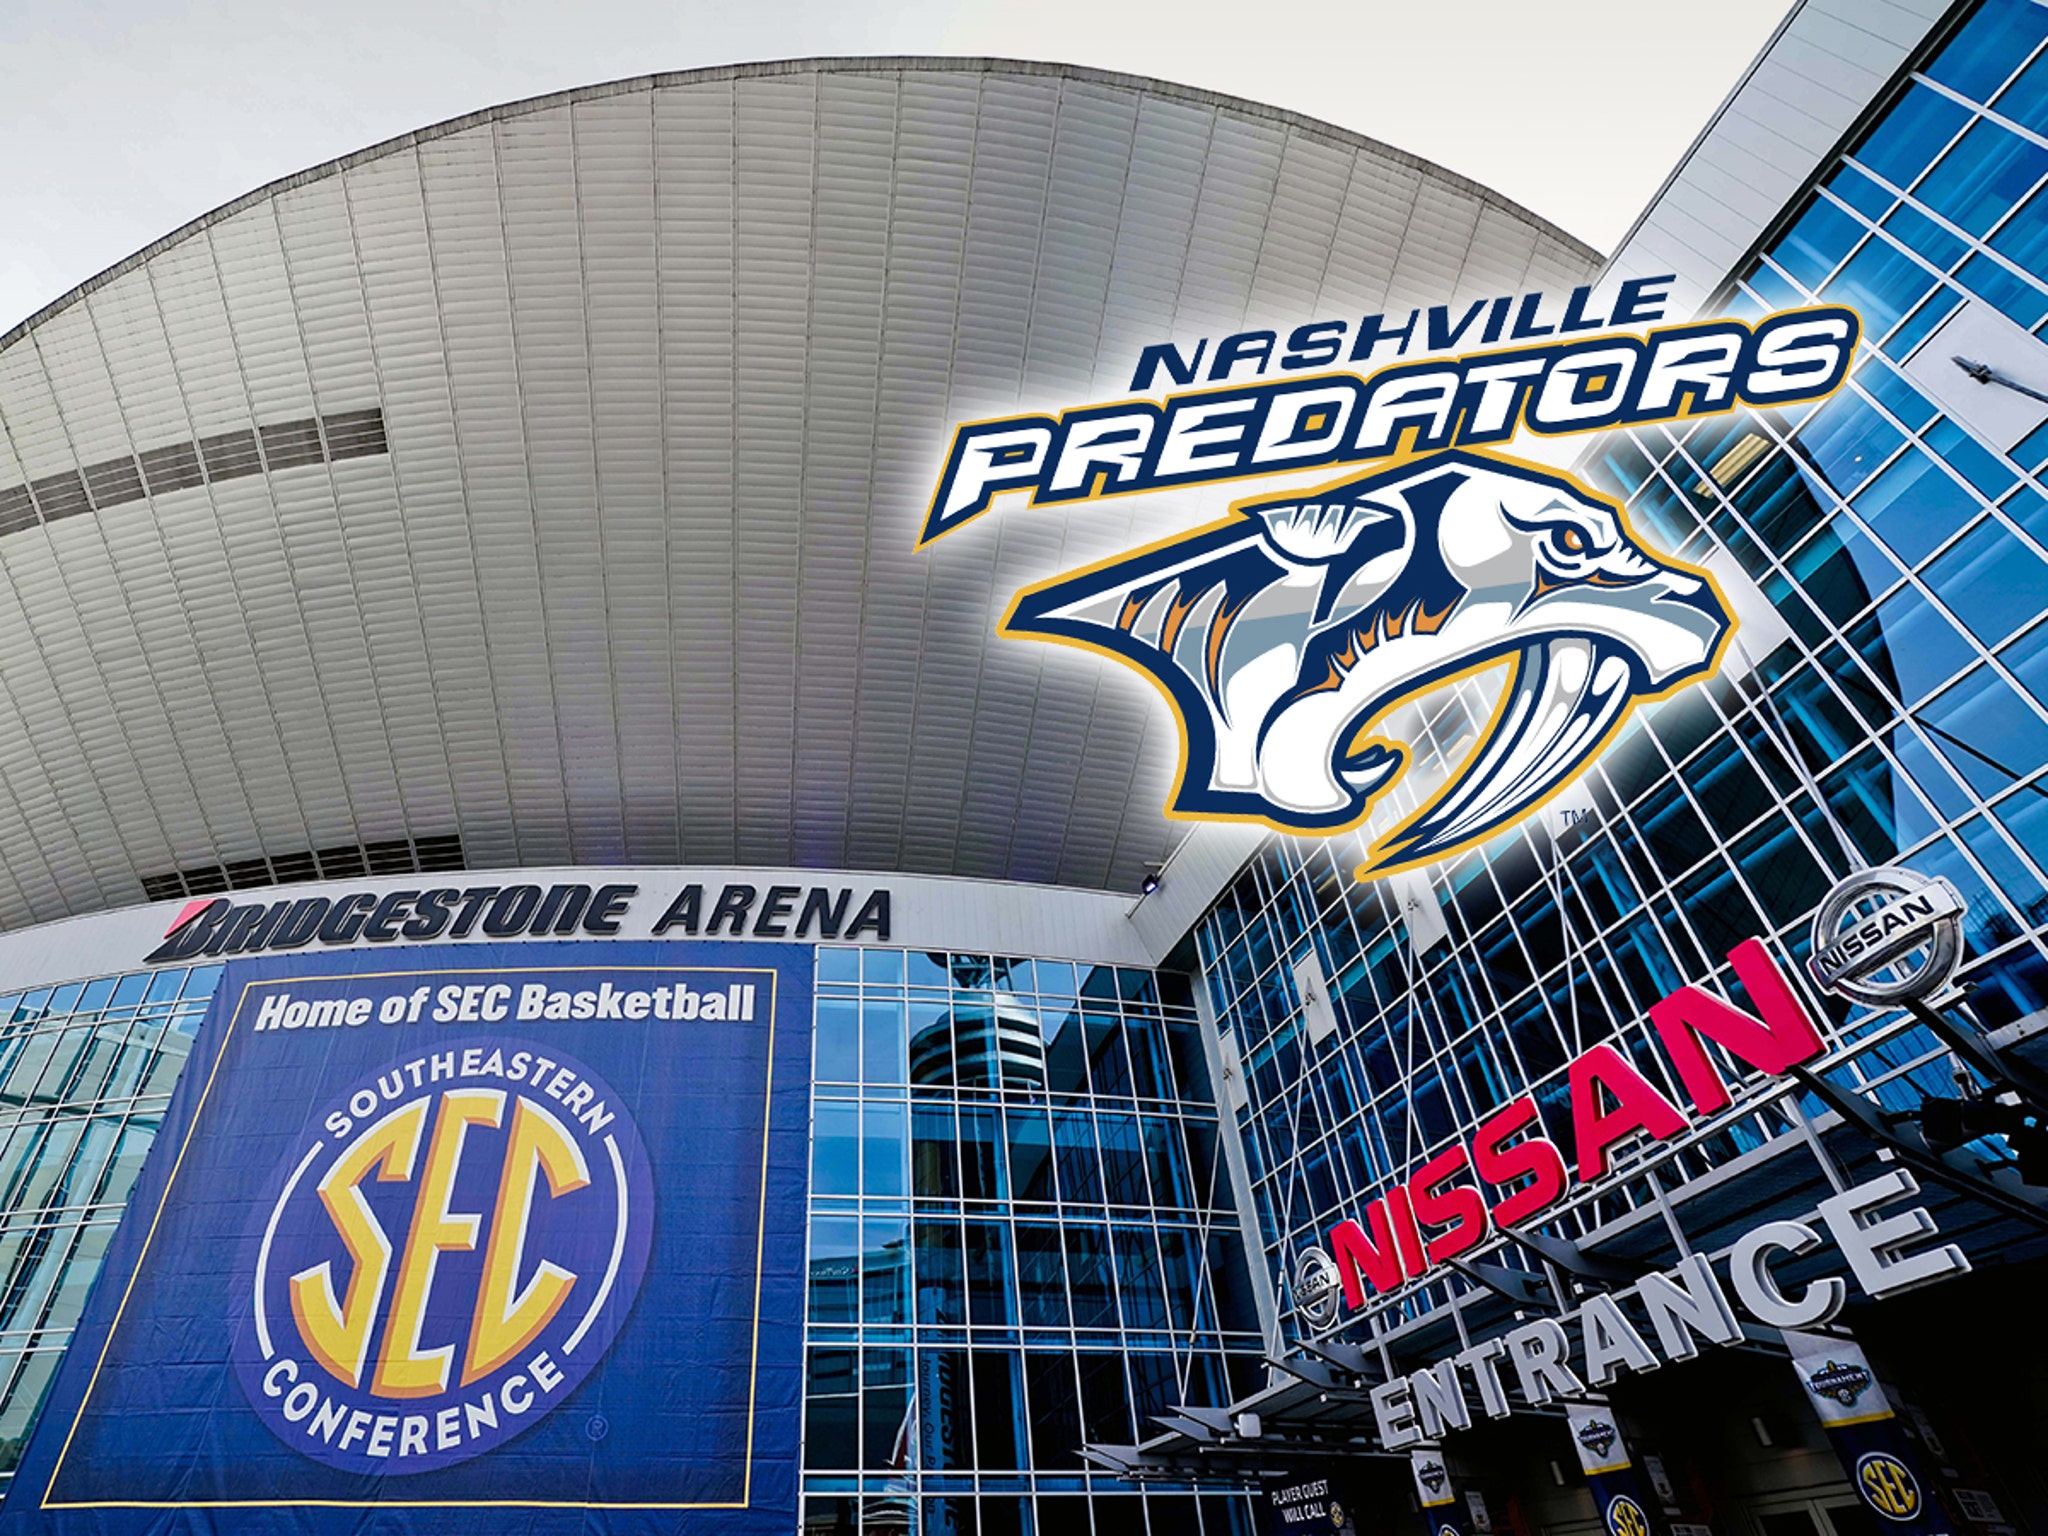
[548, 479]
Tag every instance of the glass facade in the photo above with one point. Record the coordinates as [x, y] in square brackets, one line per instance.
[85, 1072]
[1023, 1237]
[1897, 713]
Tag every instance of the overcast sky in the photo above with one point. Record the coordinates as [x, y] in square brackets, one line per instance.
[122, 119]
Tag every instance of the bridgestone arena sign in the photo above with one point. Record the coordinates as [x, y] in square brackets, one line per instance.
[735, 910]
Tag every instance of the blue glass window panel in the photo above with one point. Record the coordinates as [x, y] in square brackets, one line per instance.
[991, 1284]
[1895, 394]
[999, 1420]
[201, 981]
[1137, 1278]
[2031, 451]
[837, 1046]
[2007, 871]
[2028, 659]
[1056, 979]
[2025, 101]
[838, 964]
[883, 1055]
[1922, 234]
[1666, 515]
[941, 1280]
[1815, 245]
[1976, 62]
[2025, 816]
[884, 1410]
[1165, 1162]
[1190, 1064]
[1088, 1276]
[1876, 571]
[2026, 507]
[1781, 872]
[982, 1172]
[2018, 298]
[1991, 581]
[1982, 468]
[1149, 1073]
[1123, 1160]
[1772, 288]
[1041, 1275]
[885, 1155]
[1986, 731]
[1080, 1175]
[1984, 177]
[1031, 1162]
[835, 1269]
[831, 1411]
[1859, 191]
[1929, 772]
[882, 967]
[929, 970]
[2010, 989]
[1910, 647]
[162, 989]
[131, 988]
[1620, 468]
[1877, 805]
[1986, 922]
[835, 1148]
[2024, 237]
[885, 1270]
[931, 1028]
[1780, 502]
[1924, 319]
[934, 1148]
[1910, 135]
[1914, 506]
[1846, 440]
[1882, 283]
[974, 1038]
[97, 993]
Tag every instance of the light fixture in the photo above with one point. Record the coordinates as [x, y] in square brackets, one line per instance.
[1150, 883]
[1249, 1427]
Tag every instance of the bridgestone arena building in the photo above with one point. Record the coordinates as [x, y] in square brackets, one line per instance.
[672, 860]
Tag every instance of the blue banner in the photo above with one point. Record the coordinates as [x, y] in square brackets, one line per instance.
[515, 1246]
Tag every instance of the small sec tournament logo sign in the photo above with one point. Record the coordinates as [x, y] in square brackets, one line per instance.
[1625, 1517]
[1888, 1485]
[452, 1247]
[1843, 1383]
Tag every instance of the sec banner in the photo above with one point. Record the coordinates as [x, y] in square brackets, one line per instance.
[526, 1235]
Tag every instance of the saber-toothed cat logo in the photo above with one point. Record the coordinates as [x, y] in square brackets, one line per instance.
[1285, 635]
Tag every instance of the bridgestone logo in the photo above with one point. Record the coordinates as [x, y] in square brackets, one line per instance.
[220, 927]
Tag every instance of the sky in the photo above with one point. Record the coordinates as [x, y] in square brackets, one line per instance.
[123, 119]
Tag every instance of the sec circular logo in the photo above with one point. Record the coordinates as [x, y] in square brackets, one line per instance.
[452, 1247]
[1625, 1517]
[1887, 1485]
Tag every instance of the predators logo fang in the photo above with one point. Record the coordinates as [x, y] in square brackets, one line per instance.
[1284, 636]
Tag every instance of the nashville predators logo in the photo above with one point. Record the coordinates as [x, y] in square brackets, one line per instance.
[1888, 1485]
[1285, 636]
[448, 1254]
